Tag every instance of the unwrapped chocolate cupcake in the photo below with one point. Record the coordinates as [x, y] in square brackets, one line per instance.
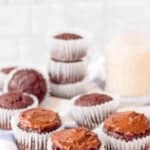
[28, 80]
[68, 47]
[74, 139]
[90, 110]
[126, 131]
[33, 127]
[12, 103]
[4, 74]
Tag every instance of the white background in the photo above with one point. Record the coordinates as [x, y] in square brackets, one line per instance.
[24, 24]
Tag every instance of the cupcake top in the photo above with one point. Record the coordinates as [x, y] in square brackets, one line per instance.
[68, 36]
[39, 120]
[127, 125]
[7, 70]
[29, 81]
[15, 100]
[75, 139]
[92, 99]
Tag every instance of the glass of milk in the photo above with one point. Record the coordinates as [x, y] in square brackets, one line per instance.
[128, 65]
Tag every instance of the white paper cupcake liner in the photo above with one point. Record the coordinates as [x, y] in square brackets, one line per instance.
[118, 144]
[68, 90]
[6, 84]
[68, 50]
[49, 143]
[68, 72]
[7, 114]
[39, 140]
[92, 116]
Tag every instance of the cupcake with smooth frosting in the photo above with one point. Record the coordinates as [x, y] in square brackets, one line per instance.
[126, 131]
[74, 139]
[33, 127]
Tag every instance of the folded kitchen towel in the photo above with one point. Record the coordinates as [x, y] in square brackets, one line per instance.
[7, 141]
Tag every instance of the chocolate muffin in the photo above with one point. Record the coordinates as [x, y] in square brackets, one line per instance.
[29, 81]
[33, 127]
[74, 139]
[92, 99]
[12, 103]
[65, 73]
[39, 120]
[68, 47]
[126, 131]
[90, 110]
[4, 74]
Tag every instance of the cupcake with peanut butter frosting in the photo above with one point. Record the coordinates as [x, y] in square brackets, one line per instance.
[32, 128]
[74, 139]
[126, 131]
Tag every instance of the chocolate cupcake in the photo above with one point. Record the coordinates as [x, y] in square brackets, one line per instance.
[126, 131]
[65, 73]
[91, 109]
[68, 90]
[3, 75]
[74, 139]
[33, 127]
[68, 47]
[27, 80]
[12, 103]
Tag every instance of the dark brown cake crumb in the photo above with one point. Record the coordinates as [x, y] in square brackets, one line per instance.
[92, 99]
[68, 36]
[15, 100]
[29, 81]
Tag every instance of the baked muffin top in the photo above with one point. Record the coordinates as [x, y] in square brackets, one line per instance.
[92, 99]
[15, 100]
[68, 36]
[29, 81]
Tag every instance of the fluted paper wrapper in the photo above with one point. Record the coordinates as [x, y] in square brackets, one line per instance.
[68, 50]
[7, 114]
[69, 90]
[118, 144]
[33, 140]
[92, 116]
[68, 72]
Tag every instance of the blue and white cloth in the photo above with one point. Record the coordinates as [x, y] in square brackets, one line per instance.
[7, 141]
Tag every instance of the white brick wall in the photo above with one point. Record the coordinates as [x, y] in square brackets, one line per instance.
[24, 24]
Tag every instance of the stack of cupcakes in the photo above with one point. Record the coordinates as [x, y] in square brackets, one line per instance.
[67, 68]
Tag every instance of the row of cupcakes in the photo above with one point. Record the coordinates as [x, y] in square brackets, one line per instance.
[67, 64]
[118, 130]
[39, 128]
[33, 127]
